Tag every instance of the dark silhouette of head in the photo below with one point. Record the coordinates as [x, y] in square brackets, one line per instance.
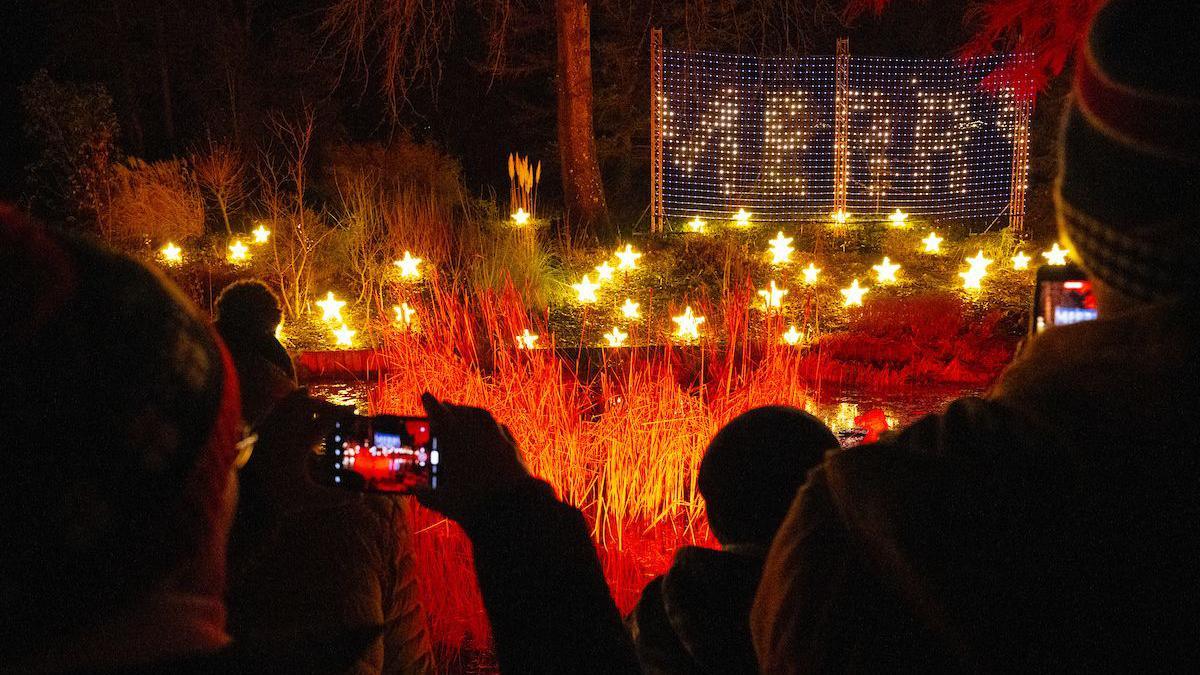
[248, 306]
[120, 418]
[754, 466]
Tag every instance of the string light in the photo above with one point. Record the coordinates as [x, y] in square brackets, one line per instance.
[781, 249]
[345, 336]
[331, 307]
[586, 290]
[772, 296]
[616, 337]
[933, 243]
[604, 271]
[688, 324]
[810, 274]
[792, 336]
[261, 234]
[853, 294]
[1056, 255]
[1020, 261]
[238, 252]
[840, 217]
[886, 271]
[171, 254]
[630, 309]
[520, 217]
[408, 266]
[628, 258]
[526, 340]
[899, 218]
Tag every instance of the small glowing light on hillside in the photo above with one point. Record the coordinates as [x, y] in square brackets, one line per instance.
[520, 217]
[976, 273]
[696, 225]
[854, 293]
[238, 252]
[772, 296]
[404, 314]
[604, 271]
[811, 273]
[345, 336]
[688, 324]
[408, 266]
[886, 271]
[628, 258]
[1056, 255]
[261, 234]
[933, 243]
[171, 254]
[331, 307]
[899, 218]
[792, 336]
[979, 263]
[781, 249]
[616, 337]
[526, 340]
[742, 218]
[1020, 261]
[840, 217]
[586, 289]
[630, 309]
[279, 332]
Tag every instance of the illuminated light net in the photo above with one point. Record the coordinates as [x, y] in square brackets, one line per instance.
[925, 135]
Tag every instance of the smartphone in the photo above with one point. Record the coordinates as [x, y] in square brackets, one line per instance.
[1063, 296]
[383, 453]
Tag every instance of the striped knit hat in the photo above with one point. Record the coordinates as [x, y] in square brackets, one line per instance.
[1128, 191]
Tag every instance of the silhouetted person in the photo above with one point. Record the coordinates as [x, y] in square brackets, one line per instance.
[121, 430]
[1055, 524]
[696, 617]
[247, 315]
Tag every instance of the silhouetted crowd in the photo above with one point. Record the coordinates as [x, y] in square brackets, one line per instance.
[158, 517]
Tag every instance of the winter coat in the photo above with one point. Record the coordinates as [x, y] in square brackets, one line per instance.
[1052, 526]
[696, 617]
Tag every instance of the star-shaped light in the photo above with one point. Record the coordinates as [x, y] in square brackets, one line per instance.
[331, 307]
[899, 218]
[238, 252]
[630, 309]
[742, 217]
[772, 296]
[979, 263]
[781, 249]
[1056, 255]
[933, 243]
[345, 335]
[616, 337]
[696, 225]
[604, 271]
[171, 254]
[792, 336]
[810, 274]
[840, 217]
[404, 313]
[628, 258]
[261, 234]
[854, 293]
[886, 271]
[976, 273]
[586, 289]
[279, 331]
[408, 266]
[689, 324]
[1020, 261]
[526, 340]
[520, 217]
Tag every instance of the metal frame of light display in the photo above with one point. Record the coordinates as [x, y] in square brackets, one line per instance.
[798, 138]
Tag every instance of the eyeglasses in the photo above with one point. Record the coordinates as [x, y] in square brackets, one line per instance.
[245, 448]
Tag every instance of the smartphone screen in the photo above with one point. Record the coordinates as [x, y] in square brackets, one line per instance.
[384, 453]
[1060, 302]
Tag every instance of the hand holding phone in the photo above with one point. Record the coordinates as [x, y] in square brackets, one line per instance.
[383, 453]
[1063, 296]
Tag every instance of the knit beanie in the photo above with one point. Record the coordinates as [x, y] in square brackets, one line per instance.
[1128, 191]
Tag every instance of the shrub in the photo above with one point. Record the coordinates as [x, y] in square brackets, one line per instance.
[155, 201]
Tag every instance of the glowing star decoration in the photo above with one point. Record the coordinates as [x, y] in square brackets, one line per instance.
[854, 293]
[628, 258]
[792, 336]
[899, 218]
[171, 254]
[238, 252]
[811, 273]
[1020, 261]
[886, 271]
[345, 336]
[1056, 255]
[404, 313]
[979, 264]
[331, 307]
[781, 249]
[520, 217]
[976, 273]
[586, 289]
[772, 296]
[742, 218]
[630, 309]
[689, 324]
[408, 266]
[279, 332]
[616, 337]
[933, 243]
[840, 217]
[526, 340]
[604, 271]
[696, 225]
[261, 234]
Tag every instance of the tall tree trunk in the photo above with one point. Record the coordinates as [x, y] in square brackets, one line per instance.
[583, 190]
